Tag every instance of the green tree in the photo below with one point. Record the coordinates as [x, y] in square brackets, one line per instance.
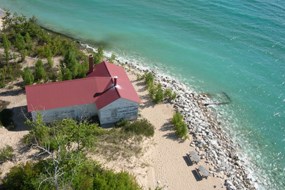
[20, 42]
[40, 73]
[66, 75]
[50, 62]
[2, 77]
[159, 95]
[6, 45]
[28, 76]
[99, 56]
[82, 69]
[179, 126]
[71, 62]
[29, 42]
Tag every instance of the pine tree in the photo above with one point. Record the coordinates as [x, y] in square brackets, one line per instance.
[6, 45]
[29, 42]
[99, 56]
[28, 76]
[67, 75]
[40, 73]
[20, 42]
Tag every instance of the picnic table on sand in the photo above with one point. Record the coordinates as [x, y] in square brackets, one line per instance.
[203, 172]
[193, 156]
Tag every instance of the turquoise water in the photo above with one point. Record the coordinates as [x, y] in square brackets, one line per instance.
[237, 47]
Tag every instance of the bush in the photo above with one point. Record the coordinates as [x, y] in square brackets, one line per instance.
[28, 76]
[6, 154]
[99, 56]
[66, 74]
[159, 95]
[74, 172]
[156, 92]
[40, 73]
[169, 94]
[61, 133]
[149, 79]
[180, 126]
[139, 127]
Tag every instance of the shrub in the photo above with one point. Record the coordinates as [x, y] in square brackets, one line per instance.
[180, 126]
[6, 154]
[177, 118]
[159, 95]
[99, 56]
[74, 172]
[140, 127]
[66, 74]
[28, 76]
[169, 94]
[149, 79]
[40, 73]
[20, 42]
[6, 45]
[122, 123]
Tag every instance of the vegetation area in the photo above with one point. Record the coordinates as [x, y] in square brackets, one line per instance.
[6, 154]
[156, 92]
[63, 162]
[180, 126]
[22, 37]
[67, 170]
[139, 127]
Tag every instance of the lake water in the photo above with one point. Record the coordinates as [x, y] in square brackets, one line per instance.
[236, 47]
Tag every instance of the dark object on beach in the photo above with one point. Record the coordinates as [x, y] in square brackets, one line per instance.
[196, 175]
[203, 172]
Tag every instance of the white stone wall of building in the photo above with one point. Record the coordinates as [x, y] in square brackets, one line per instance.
[117, 110]
[76, 112]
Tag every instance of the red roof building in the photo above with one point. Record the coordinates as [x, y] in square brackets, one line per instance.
[106, 91]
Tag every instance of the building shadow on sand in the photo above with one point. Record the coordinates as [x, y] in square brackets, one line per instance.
[20, 116]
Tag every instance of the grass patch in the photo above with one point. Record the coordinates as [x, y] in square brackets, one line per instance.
[6, 154]
[139, 127]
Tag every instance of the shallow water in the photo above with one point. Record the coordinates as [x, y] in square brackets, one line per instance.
[236, 47]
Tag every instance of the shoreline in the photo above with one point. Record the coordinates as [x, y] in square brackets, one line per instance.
[189, 103]
[220, 152]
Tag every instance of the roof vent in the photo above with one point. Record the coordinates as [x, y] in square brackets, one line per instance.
[91, 62]
[115, 80]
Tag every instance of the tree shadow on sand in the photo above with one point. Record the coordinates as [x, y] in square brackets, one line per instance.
[168, 127]
[13, 92]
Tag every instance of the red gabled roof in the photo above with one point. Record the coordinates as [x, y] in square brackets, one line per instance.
[82, 91]
[124, 87]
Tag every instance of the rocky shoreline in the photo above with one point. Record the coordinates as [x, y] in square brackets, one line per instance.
[209, 140]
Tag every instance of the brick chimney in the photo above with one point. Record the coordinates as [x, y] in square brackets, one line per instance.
[91, 63]
[115, 80]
